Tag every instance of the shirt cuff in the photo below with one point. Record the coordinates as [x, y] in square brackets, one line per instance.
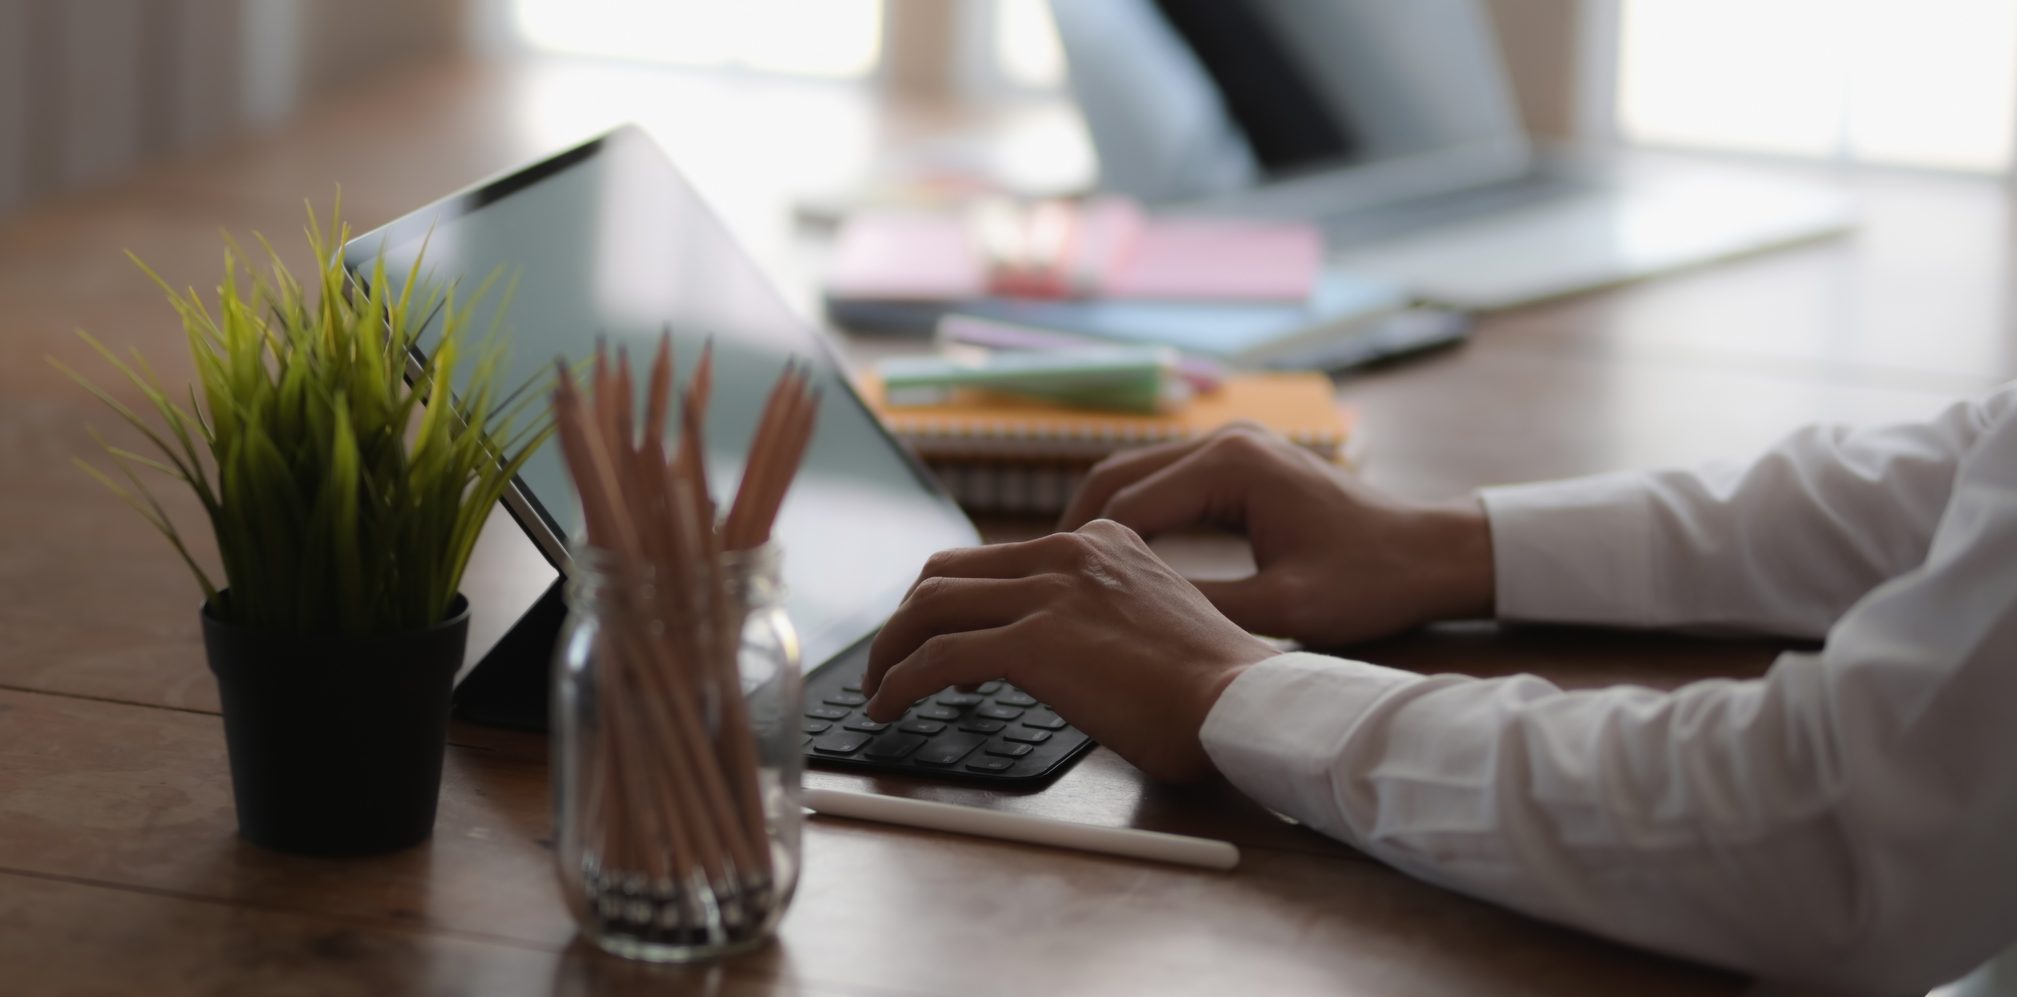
[1278, 730]
[1575, 551]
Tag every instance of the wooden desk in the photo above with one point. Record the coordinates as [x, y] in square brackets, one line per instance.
[119, 869]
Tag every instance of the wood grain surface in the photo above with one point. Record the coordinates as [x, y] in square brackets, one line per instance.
[119, 868]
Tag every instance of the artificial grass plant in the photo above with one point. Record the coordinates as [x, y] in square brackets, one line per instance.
[342, 501]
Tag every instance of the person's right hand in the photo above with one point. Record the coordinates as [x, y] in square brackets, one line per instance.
[1336, 562]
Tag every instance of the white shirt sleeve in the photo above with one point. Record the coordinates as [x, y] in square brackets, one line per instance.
[1847, 820]
[1782, 544]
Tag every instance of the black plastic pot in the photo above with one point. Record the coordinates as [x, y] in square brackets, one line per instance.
[336, 742]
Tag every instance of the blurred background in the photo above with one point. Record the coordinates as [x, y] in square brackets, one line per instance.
[147, 124]
[89, 89]
[790, 114]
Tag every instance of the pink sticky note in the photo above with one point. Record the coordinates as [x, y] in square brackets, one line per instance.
[1209, 258]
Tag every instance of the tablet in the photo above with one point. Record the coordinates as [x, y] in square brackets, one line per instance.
[608, 239]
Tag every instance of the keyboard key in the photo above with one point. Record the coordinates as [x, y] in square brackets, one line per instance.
[814, 727]
[946, 750]
[990, 763]
[851, 685]
[981, 726]
[938, 713]
[957, 699]
[925, 727]
[865, 725]
[1028, 736]
[827, 713]
[840, 743]
[989, 688]
[1016, 698]
[1045, 721]
[993, 712]
[1009, 749]
[846, 699]
[890, 747]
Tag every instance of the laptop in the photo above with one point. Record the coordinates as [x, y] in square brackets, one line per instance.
[608, 240]
[1393, 126]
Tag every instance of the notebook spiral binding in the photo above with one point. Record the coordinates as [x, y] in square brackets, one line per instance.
[1027, 458]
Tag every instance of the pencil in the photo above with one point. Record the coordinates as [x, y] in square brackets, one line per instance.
[666, 804]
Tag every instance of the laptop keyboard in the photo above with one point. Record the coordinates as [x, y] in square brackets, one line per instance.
[996, 733]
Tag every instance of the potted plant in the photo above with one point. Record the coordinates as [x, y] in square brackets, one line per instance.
[345, 493]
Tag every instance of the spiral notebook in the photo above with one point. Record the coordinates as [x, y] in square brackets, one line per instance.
[997, 453]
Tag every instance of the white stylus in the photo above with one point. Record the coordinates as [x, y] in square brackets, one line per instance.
[1152, 845]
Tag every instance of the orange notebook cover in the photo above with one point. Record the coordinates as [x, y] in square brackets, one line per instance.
[978, 426]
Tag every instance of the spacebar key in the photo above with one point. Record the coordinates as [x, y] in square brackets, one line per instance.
[946, 750]
[840, 743]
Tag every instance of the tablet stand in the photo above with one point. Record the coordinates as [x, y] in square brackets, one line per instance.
[510, 685]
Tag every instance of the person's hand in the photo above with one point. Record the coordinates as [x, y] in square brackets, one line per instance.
[1337, 562]
[1093, 623]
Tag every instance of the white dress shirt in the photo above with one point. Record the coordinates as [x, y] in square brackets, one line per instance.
[1850, 819]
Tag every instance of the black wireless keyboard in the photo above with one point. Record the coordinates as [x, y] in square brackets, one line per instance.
[996, 733]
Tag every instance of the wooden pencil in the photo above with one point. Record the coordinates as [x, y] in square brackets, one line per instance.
[666, 695]
[609, 528]
[662, 801]
[748, 849]
[666, 715]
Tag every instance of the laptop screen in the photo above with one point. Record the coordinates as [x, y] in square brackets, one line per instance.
[609, 240]
[1186, 99]
[1276, 102]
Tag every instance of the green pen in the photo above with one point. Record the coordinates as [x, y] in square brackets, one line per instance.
[1139, 379]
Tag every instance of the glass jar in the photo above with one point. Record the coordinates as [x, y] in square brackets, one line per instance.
[676, 755]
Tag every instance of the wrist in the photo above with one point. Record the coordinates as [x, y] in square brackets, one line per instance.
[1218, 680]
[1453, 551]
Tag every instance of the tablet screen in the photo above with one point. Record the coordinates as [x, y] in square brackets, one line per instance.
[609, 240]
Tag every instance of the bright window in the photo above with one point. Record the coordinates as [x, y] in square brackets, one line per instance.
[1026, 44]
[832, 38]
[1929, 83]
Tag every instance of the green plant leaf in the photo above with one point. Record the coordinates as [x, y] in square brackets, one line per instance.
[345, 491]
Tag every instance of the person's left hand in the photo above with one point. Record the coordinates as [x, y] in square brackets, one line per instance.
[1092, 622]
